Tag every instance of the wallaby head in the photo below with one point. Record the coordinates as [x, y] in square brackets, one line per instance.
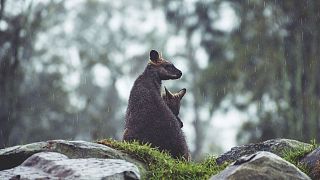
[164, 69]
[173, 100]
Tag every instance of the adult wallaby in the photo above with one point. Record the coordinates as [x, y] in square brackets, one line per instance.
[148, 118]
[173, 102]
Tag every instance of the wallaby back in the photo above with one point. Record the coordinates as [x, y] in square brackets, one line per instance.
[148, 118]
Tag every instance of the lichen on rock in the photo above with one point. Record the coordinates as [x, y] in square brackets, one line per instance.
[261, 165]
[276, 146]
[52, 165]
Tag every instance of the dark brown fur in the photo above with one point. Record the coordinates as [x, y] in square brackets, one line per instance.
[173, 102]
[148, 118]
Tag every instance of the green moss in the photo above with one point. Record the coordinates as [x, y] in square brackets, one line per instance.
[295, 155]
[161, 166]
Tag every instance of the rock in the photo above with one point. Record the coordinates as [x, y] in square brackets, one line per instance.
[312, 162]
[275, 146]
[261, 165]
[51, 165]
[14, 156]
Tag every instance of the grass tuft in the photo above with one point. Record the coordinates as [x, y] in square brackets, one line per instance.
[295, 155]
[162, 166]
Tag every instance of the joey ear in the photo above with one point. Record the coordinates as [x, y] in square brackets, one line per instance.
[168, 93]
[182, 92]
[154, 56]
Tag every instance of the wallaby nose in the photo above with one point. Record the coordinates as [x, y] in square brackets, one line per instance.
[180, 73]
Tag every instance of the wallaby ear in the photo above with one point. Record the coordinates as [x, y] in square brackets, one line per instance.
[182, 92]
[154, 56]
[168, 93]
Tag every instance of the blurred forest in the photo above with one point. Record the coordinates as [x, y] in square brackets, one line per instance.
[66, 67]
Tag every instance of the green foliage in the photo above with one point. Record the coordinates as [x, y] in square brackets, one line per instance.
[160, 164]
[294, 155]
[257, 65]
[17, 84]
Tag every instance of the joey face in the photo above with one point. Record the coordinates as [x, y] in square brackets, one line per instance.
[173, 100]
[163, 68]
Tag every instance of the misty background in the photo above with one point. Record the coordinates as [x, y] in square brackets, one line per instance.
[251, 68]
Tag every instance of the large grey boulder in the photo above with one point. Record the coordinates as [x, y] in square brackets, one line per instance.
[261, 165]
[312, 162]
[275, 146]
[14, 156]
[51, 165]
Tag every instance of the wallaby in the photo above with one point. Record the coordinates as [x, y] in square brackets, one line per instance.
[173, 102]
[148, 118]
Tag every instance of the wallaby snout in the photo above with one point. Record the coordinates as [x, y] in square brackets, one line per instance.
[179, 74]
[172, 73]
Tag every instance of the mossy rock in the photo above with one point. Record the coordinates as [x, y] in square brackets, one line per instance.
[312, 162]
[261, 165]
[276, 146]
[14, 156]
[152, 163]
[52, 165]
[160, 165]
